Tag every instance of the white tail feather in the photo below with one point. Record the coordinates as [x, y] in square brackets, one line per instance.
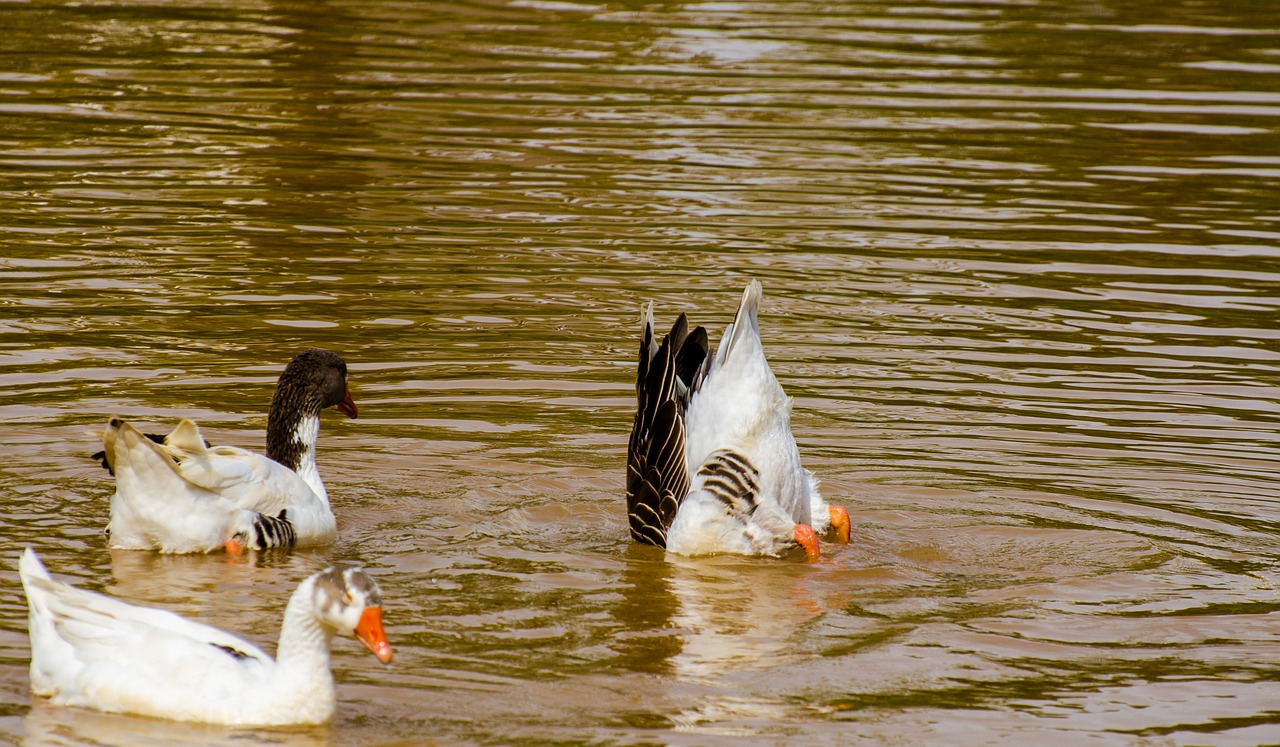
[744, 322]
[155, 507]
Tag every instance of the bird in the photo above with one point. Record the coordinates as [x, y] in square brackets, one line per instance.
[94, 651]
[712, 464]
[181, 495]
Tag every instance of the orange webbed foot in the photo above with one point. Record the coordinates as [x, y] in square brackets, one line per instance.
[808, 539]
[840, 522]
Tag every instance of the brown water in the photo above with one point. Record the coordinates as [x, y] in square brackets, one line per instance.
[1022, 274]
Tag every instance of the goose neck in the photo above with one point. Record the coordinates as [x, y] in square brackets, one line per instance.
[302, 684]
[304, 640]
[292, 432]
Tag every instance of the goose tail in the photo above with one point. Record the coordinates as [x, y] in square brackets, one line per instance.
[155, 507]
[746, 323]
[668, 373]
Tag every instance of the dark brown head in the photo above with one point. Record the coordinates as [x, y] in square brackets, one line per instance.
[314, 380]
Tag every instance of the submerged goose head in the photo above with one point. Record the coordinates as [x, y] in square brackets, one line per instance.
[347, 600]
[314, 380]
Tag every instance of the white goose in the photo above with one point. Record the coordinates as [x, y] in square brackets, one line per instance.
[93, 651]
[712, 465]
[182, 495]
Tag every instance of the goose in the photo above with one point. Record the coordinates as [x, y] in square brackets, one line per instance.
[712, 464]
[181, 495]
[93, 651]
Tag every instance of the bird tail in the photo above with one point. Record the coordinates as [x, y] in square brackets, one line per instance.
[667, 375]
[155, 507]
[185, 441]
[746, 324]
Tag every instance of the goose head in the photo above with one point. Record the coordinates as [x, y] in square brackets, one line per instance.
[349, 602]
[313, 380]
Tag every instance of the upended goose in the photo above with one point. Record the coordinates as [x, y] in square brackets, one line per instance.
[181, 495]
[93, 651]
[712, 465]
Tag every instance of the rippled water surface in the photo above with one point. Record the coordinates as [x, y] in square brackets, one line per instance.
[1021, 264]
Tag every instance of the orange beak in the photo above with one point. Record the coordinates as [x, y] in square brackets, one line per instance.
[369, 631]
[840, 520]
[348, 406]
[806, 538]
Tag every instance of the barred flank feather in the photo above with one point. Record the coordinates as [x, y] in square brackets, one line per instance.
[273, 531]
[732, 479]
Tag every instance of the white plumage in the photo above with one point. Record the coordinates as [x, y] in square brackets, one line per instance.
[220, 497]
[713, 466]
[93, 651]
[183, 495]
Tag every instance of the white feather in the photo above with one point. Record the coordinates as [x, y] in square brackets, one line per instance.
[94, 651]
[255, 483]
[206, 497]
[155, 507]
[741, 406]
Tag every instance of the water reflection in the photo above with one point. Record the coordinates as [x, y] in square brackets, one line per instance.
[52, 726]
[737, 618]
[646, 640]
[173, 581]
[736, 639]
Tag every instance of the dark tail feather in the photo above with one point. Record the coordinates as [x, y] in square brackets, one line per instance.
[693, 352]
[657, 479]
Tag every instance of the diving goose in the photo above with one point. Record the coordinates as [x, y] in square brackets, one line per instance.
[712, 465]
[182, 495]
[93, 651]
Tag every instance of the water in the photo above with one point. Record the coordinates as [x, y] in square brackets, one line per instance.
[1020, 264]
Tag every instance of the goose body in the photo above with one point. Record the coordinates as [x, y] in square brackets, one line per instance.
[712, 464]
[93, 651]
[182, 495]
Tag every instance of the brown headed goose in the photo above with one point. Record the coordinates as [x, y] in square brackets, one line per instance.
[712, 465]
[181, 495]
[93, 651]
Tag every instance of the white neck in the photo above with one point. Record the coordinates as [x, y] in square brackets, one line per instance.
[307, 433]
[302, 657]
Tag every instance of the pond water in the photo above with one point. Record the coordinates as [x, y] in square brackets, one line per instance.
[1021, 264]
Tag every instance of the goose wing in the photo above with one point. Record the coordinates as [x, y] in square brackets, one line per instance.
[250, 480]
[742, 407]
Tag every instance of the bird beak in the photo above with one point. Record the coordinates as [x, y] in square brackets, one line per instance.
[369, 631]
[348, 406]
[806, 538]
[840, 520]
